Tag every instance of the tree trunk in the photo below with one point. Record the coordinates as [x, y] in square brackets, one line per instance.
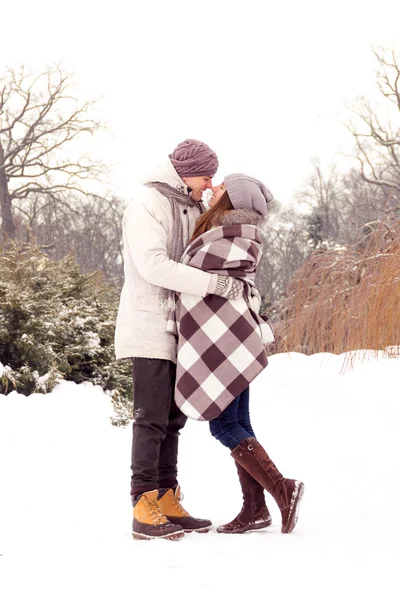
[7, 221]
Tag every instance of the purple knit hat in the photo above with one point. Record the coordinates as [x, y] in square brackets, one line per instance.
[248, 193]
[192, 158]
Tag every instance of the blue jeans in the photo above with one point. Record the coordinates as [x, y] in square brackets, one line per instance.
[233, 425]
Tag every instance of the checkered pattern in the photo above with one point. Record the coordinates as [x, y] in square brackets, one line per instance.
[220, 342]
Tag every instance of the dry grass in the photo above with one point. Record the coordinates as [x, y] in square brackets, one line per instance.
[347, 299]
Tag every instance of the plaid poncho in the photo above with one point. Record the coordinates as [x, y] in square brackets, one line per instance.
[220, 342]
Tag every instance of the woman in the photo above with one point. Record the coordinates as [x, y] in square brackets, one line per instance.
[221, 348]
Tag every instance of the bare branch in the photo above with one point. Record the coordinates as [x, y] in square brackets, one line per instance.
[377, 140]
[39, 120]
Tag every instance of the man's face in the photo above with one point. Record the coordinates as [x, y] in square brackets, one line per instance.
[198, 185]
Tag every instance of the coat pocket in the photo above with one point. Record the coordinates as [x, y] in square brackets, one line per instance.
[149, 302]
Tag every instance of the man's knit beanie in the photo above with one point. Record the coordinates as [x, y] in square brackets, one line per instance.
[192, 158]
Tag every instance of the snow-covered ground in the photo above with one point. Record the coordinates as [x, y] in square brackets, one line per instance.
[65, 510]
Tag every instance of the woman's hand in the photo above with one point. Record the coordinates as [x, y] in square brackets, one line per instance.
[229, 287]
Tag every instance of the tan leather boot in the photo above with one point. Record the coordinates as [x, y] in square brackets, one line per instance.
[254, 514]
[169, 503]
[149, 522]
[287, 493]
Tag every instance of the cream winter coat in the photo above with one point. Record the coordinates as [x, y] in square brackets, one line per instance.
[147, 232]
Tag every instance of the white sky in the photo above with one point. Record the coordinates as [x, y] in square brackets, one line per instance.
[259, 81]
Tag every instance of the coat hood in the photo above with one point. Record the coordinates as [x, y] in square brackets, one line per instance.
[165, 172]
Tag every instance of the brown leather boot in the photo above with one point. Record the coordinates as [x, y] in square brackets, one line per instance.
[287, 493]
[254, 514]
[169, 503]
[149, 522]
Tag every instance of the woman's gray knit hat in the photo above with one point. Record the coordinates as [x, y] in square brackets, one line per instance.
[192, 158]
[247, 192]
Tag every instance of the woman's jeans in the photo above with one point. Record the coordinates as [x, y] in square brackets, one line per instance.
[233, 425]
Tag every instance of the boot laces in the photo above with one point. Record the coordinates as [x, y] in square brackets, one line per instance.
[158, 516]
[176, 501]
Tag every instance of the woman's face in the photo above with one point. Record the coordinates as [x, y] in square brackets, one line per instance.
[218, 193]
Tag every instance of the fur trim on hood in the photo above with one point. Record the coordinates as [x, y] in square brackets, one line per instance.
[241, 216]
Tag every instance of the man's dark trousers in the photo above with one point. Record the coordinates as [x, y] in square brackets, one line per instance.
[156, 427]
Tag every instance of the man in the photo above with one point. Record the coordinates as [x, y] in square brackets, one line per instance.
[157, 227]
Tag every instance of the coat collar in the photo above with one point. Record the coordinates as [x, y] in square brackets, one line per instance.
[240, 216]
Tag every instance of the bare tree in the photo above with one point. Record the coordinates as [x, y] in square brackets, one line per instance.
[90, 228]
[376, 130]
[94, 235]
[40, 121]
[362, 203]
[322, 196]
[285, 248]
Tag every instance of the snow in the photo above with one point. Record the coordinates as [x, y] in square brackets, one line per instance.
[92, 340]
[3, 371]
[65, 511]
